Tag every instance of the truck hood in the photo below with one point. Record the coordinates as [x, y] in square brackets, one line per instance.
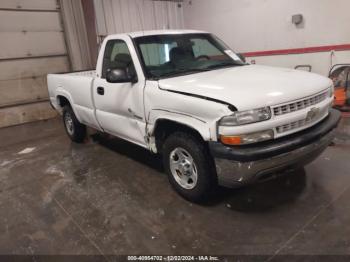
[251, 86]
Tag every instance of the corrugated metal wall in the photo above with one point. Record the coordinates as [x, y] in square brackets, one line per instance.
[76, 35]
[32, 45]
[120, 16]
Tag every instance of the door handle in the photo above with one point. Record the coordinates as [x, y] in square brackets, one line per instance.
[100, 91]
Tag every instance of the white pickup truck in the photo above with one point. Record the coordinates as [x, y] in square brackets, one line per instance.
[215, 119]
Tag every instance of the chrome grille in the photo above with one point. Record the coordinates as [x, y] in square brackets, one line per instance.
[303, 122]
[299, 105]
[293, 125]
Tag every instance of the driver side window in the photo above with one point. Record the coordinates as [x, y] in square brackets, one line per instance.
[117, 56]
[202, 47]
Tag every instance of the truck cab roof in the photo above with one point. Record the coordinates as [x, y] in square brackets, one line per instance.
[158, 32]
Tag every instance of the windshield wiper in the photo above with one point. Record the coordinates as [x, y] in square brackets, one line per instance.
[184, 71]
[223, 65]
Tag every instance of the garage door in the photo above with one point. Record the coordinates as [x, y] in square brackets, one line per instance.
[32, 45]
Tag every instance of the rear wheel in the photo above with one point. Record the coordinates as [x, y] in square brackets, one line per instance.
[189, 166]
[75, 130]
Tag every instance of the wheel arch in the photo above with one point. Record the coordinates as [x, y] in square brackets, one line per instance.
[165, 126]
[63, 101]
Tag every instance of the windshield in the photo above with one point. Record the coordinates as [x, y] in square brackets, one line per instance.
[173, 55]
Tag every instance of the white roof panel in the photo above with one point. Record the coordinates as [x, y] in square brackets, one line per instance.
[161, 32]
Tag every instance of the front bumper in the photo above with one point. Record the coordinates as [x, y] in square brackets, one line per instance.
[239, 165]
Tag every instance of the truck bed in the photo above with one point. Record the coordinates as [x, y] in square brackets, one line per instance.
[77, 88]
[90, 73]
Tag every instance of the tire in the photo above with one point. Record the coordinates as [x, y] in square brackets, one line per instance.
[203, 180]
[75, 130]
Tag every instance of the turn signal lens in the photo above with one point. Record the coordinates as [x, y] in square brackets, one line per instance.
[231, 140]
[247, 139]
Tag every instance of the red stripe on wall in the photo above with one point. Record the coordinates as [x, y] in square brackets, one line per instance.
[314, 49]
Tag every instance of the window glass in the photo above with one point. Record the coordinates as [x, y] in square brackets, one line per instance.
[117, 56]
[157, 53]
[176, 54]
[202, 47]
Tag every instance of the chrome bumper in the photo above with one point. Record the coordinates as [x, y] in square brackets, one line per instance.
[236, 166]
[235, 174]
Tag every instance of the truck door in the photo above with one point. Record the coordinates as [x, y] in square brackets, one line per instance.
[119, 106]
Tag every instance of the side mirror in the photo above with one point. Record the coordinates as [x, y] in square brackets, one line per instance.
[120, 76]
[242, 57]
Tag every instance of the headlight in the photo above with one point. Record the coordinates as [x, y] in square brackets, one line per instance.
[246, 117]
[247, 138]
[331, 91]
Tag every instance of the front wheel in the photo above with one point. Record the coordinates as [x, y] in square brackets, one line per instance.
[189, 166]
[75, 130]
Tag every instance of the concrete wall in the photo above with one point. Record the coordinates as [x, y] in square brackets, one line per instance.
[260, 25]
[37, 37]
[32, 45]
